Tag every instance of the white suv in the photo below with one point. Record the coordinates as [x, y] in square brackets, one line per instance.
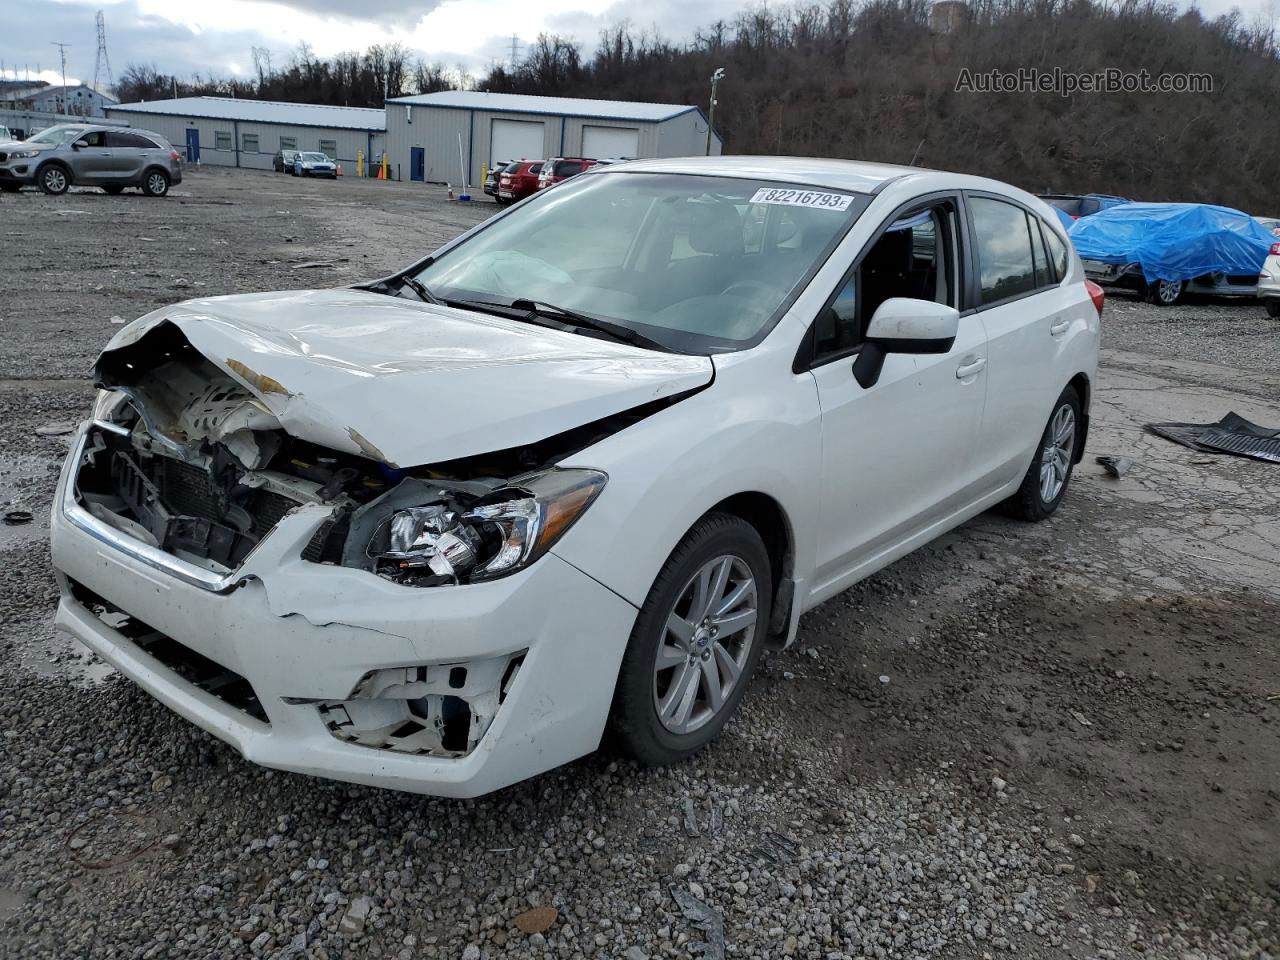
[572, 472]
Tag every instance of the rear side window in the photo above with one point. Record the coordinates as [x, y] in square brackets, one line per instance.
[535, 168]
[1057, 253]
[1006, 267]
[132, 140]
[567, 168]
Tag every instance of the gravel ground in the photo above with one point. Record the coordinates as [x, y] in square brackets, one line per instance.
[1037, 741]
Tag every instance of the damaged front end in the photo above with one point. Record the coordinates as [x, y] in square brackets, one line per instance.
[190, 459]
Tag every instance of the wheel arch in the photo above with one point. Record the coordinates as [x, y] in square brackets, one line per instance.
[1083, 388]
[770, 520]
[153, 168]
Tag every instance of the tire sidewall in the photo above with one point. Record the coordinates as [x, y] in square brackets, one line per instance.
[634, 717]
[146, 183]
[46, 170]
[1071, 398]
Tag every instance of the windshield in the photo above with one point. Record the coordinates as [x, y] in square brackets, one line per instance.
[314, 157]
[700, 264]
[57, 135]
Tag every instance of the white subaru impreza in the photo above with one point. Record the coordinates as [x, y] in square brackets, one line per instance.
[572, 473]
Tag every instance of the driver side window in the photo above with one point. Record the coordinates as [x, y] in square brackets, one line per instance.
[93, 139]
[915, 256]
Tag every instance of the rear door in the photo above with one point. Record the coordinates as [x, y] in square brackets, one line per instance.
[1027, 310]
[128, 154]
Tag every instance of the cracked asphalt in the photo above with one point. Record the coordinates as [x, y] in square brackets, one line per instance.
[1052, 740]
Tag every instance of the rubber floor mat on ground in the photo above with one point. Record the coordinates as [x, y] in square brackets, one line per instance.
[1232, 434]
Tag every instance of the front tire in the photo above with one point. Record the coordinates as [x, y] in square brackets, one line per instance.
[155, 183]
[1165, 293]
[54, 179]
[1046, 480]
[695, 642]
[1273, 308]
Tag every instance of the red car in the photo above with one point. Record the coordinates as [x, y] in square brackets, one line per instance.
[562, 168]
[518, 180]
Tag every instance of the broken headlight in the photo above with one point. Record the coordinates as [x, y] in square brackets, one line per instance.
[107, 404]
[497, 534]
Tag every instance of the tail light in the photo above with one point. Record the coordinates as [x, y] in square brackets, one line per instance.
[1275, 250]
[173, 155]
[1099, 298]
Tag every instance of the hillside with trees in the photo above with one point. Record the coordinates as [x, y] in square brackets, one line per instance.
[871, 80]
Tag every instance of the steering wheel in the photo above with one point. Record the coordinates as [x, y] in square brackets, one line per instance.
[747, 289]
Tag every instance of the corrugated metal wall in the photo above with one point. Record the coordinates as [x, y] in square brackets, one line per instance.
[437, 129]
[251, 154]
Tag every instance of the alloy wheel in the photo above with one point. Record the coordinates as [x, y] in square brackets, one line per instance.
[55, 180]
[1168, 291]
[1055, 456]
[156, 184]
[705, 644]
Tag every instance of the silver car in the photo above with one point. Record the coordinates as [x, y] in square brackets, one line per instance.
[308, 164]
[90, 155]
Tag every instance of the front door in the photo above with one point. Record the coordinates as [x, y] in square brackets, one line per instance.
[897, 457]
[193, 145]
[417, 163]
[91, 163]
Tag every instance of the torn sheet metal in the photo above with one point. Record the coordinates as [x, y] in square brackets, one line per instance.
[1232, 434]
[405, 382]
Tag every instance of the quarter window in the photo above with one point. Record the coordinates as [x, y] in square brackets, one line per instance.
[249, 142]
[1057, 252]
[1006, 267]
[133, 141]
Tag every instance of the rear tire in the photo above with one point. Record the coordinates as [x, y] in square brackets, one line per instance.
[1049, 475]
[155, 183]
[54, 179]
[707, 614]
[1165, 293]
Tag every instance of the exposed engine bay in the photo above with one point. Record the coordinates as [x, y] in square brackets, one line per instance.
[184, 457]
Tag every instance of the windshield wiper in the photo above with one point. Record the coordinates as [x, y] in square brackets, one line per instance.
[420, 288]
[615, 331]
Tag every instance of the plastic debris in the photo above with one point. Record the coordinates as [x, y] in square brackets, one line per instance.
[705, 918]
[1081, 719]
[1116, 466]
[16, 517]
[118, 319]
[1232, 434]
[884, 678]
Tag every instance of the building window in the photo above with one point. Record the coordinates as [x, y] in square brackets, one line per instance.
[329, 148]
[288, 143]
[249, 142]
[221, 140]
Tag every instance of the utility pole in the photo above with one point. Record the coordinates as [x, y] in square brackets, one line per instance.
[711, 112]
[62, 52]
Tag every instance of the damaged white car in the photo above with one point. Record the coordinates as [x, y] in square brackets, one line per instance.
[573, 472]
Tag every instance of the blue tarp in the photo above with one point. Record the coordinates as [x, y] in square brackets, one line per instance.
[1065, 218]
[1174, 241]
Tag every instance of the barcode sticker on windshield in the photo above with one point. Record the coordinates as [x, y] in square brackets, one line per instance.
[803, 198]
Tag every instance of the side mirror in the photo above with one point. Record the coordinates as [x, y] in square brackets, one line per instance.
[79, 144]
[904, 325]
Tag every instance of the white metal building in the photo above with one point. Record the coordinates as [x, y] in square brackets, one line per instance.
[424, 132]
[76, 100]
[247, 133]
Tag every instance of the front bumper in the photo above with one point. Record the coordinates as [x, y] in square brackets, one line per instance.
[299, 631]
[18, 171]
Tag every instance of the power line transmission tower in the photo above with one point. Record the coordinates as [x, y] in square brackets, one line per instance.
[102, 65]
[515, 50]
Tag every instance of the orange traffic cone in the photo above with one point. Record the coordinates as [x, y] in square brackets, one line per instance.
[339, 170]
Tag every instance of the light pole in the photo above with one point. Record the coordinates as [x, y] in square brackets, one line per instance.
[711, 112]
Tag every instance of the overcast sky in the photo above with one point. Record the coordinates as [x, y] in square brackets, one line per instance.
[214, 37]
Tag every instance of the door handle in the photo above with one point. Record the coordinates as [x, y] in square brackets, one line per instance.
[1059, 327]
[969, 369]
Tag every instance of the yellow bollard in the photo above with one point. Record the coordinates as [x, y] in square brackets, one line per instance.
[386, 172]
[484, 174]
[359, 163]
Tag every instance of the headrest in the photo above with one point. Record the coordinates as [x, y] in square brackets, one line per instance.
[715, 228]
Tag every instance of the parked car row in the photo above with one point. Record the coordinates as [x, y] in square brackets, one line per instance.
[304, 163]
[514, 180]
[1167, 250]
[90, 155]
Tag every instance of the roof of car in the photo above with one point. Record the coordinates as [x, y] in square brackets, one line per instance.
[856, 175]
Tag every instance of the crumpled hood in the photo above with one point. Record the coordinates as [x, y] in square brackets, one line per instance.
[409, 383]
